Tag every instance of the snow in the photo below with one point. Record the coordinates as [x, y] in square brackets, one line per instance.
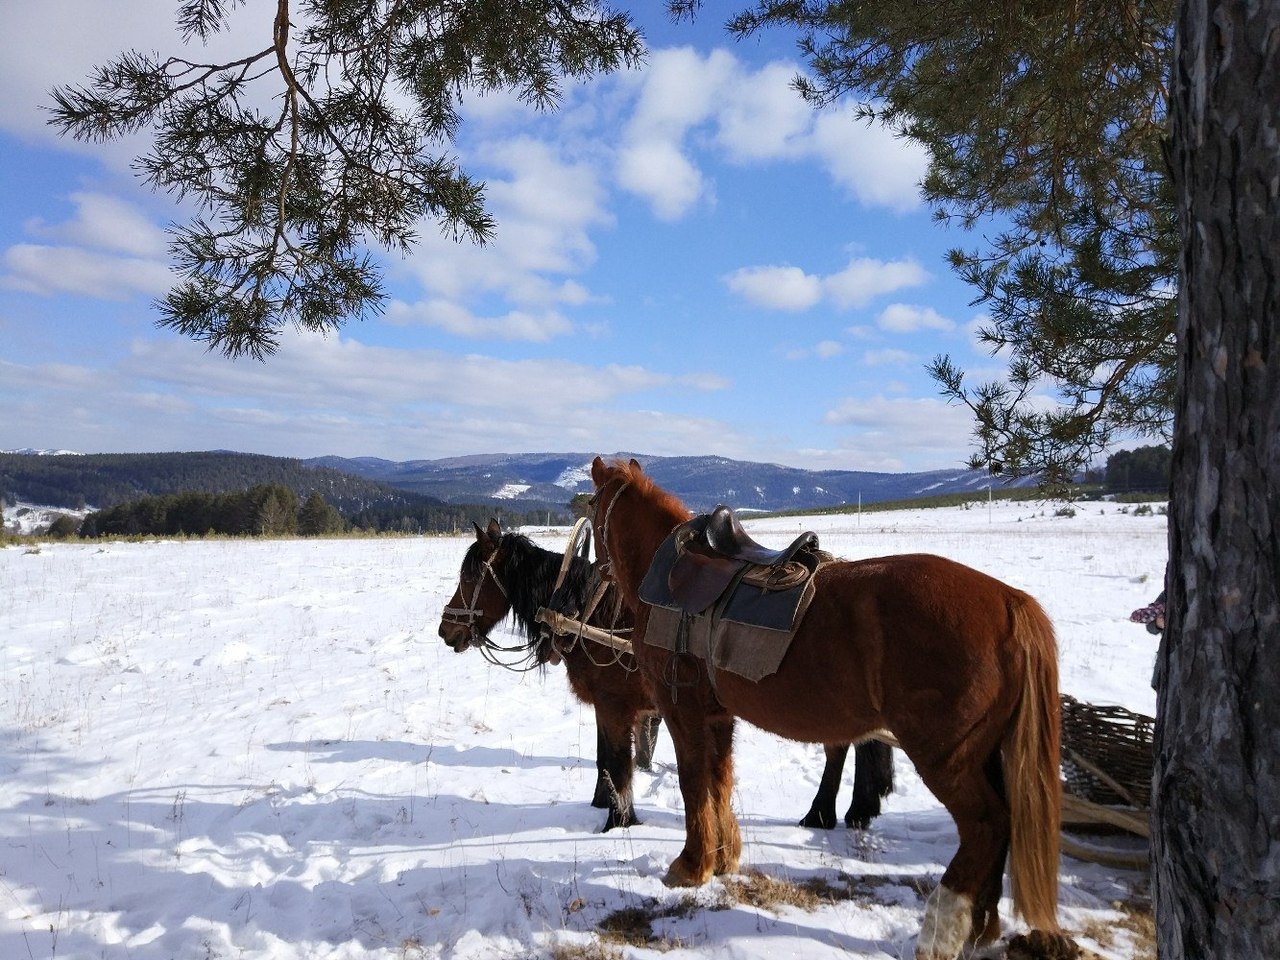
[574, 477]
[261, 749]
[25, 519]
[509, 491]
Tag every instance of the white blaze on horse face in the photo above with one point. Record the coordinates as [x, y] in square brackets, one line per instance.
[948, 918]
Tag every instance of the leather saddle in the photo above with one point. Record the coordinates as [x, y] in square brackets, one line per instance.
[714, 550]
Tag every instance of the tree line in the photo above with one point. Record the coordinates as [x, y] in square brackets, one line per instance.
[274, 510]
[268, 509]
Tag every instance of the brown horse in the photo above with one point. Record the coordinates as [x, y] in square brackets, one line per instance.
[959, 667]
[508, 573]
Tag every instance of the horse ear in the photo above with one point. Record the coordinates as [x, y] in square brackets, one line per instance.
[635, 465]
[597, 470]
[479, 532]
[494, 531]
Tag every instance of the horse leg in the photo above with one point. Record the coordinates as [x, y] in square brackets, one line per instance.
[964, 907]
[728, 849]
[615, 765]
[695, 864]
[872, 779]
[646, 735]
[600, 798]
[822, 812]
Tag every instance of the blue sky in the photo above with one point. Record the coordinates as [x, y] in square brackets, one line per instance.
[689, 261]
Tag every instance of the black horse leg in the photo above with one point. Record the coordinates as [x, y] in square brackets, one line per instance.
[872, 779]
[822, 812]
[615, 764]
[646, 739]
[604, 789]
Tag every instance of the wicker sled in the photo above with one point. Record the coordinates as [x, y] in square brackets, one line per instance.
[1106, 764]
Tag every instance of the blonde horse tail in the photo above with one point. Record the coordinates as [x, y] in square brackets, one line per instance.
[1031, 758]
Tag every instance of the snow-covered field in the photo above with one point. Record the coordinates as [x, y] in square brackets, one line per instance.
[262, 750]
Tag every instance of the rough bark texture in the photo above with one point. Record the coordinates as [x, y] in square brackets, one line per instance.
[1217, 779]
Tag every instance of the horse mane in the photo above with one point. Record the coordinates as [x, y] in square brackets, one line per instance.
[529, 575]
[643, 484]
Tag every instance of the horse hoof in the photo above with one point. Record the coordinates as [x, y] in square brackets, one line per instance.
[679, 876]
[617, 820]
[1043, 945]
[818, 821]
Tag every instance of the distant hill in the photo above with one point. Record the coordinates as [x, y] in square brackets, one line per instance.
[515, 485]
[103, 480]
[550, 480]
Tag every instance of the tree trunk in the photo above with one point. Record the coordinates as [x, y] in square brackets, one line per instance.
[1216, 802]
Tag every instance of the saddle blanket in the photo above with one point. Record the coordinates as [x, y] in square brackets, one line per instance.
[748, 629]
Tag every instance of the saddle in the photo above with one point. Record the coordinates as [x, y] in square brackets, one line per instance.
[713, 550]
[715, 593]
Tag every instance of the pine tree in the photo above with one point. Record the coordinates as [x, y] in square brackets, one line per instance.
[1047, 118]
[352, 151]
[318, 518]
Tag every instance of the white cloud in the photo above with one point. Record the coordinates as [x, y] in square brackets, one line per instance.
[105, 223]
[906, 318]
[546, 203]
[763, 118]
[458, 320]
[47, 270]
[823, 350]
[828, 349]
[77, 35]
[705, 380]
[751, 116]
[876, 167]
[107, 249]
[321, 395]
[658, 171]
[779, 288]
[866, 278]
[790, 288]
[886, 357]
[678, 91]
[887, 429]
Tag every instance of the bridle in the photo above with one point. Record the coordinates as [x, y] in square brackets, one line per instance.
[469, 615]
[604, 561]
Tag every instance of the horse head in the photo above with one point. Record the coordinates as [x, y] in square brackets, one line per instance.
[609, 480]
[480, 600]
[626, 538]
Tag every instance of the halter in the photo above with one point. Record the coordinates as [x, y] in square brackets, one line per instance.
[468, 615]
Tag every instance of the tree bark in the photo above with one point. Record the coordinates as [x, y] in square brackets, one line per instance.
[1216, 799]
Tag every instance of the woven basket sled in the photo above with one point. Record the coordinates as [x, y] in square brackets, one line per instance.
[1107, 761]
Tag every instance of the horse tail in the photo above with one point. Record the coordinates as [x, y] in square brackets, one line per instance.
[1031, 757]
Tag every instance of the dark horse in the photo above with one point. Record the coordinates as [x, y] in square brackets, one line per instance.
[959, 667]
[508, 573]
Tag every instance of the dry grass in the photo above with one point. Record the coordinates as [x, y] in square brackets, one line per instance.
[1137, 919]
[595, 950]
[634, 926]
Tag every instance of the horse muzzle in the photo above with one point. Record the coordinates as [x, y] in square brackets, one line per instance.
[457, 636]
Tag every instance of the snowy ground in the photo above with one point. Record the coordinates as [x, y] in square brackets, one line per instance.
[262, 750]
